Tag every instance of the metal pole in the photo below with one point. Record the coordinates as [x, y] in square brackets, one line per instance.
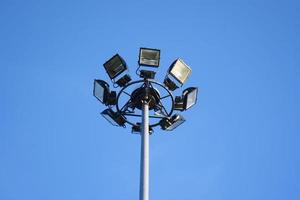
[144, 179]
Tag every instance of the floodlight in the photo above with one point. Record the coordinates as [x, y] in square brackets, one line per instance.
[137, 129]
[187, 100]
[147, 74]
[189, 97]
[149, 57]
[170, 124]
[170, 84]
[178, 103]
[101, 88]
[115, 66]
[102, 93]
[114, 118]
[179, 70]
[123, 81]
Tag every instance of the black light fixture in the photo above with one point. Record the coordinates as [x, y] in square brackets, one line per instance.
[171, 123]
[102, 93]
[116, 66]
[170, 84]
[149, 57]
[187, 100]
[147, 74]
[178, 103]
[123, 81]
[114, 118]
[180, 71]
[137, 129]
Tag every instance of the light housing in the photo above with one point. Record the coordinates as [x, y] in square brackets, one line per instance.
[149, 57]
[102, 93]
[124, 80]
[171, 123]
[178, 103]
[180, 71]
[147, 74]
[189, 97]
[114, 118]
[137, 129]
[115, 66]
[170, 84]
[187, 100]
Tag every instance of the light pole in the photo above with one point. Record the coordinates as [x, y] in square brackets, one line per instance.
[144, 179]
[145, 103]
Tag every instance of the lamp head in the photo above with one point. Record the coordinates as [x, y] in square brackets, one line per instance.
[149, 57]
[180, 71]
[114, 118]
[171, 123]
[115, 66]
[102, 93]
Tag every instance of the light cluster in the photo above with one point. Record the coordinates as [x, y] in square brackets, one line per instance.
[176, 76]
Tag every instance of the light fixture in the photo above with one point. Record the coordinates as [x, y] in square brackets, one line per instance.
[114, 118]
[171, 123]
[115, 66]
[102, 93]
[189, 97]
[187, 100]
[149, 57]
[170, 84]
[178, 103]
[123, 81]
[137, 129]
[147, 74]
[180, 71]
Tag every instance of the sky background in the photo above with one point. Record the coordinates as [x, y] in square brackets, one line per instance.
[240, 142]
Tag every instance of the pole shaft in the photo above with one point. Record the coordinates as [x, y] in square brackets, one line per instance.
[144, 179]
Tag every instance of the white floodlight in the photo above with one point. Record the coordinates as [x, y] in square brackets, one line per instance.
[187, 100]
[189, 97]
[180, 71]
[149, 57]
[102, 93]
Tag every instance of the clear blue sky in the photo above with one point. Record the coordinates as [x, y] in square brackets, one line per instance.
[240, 142]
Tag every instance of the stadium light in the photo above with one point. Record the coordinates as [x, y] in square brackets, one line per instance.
[187, 100]
[114, 118]
[170, 124]
[102, 93]
[149, 57]
[180, 71]
[116, 66]
[170, 84]
[137, 128]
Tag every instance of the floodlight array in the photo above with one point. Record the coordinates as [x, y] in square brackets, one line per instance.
[177, 75]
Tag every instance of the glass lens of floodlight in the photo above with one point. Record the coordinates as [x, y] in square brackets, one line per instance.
[108, 114]
[149, 57]
[100, 90]
[115, 66]
[176, 120]
[180, 71]
[190, 97]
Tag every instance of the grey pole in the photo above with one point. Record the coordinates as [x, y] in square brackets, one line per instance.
[144, 179]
